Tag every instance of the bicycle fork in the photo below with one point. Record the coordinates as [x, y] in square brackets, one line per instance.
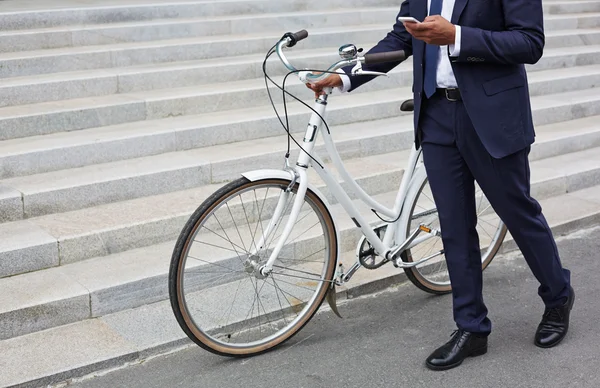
[299, 175]
[282, 205]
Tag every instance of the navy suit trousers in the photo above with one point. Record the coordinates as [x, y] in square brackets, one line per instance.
[455, 158]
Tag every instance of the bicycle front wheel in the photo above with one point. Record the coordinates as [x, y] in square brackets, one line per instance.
[221, 301]
[432, 276]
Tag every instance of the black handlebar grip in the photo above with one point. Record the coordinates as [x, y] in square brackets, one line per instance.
[391, 56]
[300, 35]
[297, 37]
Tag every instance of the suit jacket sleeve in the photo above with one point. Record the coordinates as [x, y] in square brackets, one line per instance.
[397, 39]
[522, 41]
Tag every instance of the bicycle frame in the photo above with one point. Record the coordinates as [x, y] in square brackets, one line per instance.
[387, 248]
[394, 240]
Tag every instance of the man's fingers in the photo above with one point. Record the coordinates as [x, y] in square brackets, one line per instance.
[416, 26]
[430, 19]
[420, 34]
[330, 82]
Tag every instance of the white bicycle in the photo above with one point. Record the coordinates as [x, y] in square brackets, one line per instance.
[256, 260]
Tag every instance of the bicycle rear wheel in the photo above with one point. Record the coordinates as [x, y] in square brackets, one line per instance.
[225, 305]
[432, 276]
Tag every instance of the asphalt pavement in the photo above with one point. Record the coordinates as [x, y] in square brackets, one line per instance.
[384, 339]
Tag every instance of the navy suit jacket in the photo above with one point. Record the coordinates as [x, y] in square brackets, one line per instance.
[498, 38]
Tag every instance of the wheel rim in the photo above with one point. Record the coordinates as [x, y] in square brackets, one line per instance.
[434, 273]
[231, 308]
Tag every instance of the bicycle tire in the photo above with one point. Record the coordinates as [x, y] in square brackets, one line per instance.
[176, 273]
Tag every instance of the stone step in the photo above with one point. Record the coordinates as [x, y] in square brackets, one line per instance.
[19, 15]
[96, 184]
[64, 150]
[136, 277]
[116, 35]
[102, 82]
[71, 115]
[561, 7]
[17, 64]
[161, 29]
[121, 226]
[566, 21]
[188, 169]
[252, 41]
[90, 83]
[566, 57]
[113, 340]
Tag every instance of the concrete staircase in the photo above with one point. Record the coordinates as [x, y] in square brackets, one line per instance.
[117, 120]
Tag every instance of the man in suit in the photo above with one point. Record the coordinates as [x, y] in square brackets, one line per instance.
[473, 121]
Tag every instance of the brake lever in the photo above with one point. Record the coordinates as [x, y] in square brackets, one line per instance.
[357, 70]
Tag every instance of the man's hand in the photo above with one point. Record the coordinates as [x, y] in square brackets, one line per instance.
[434, 30]
[333, 81]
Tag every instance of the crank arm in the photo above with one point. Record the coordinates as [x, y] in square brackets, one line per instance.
[345, 278]
[402, 264]
[393, 253]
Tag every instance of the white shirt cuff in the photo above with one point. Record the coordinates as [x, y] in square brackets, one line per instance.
[454, 49]
[346, 81]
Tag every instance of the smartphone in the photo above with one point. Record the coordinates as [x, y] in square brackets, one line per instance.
[408, 20]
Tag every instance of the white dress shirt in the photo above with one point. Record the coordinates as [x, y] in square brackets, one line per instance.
[445, 74]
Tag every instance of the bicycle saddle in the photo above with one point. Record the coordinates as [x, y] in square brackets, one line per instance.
[408, 106]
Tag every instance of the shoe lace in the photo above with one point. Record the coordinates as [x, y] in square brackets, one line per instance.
[456, 333]
[553, 314]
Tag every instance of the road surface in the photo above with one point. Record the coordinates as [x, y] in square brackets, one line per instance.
[384, 339]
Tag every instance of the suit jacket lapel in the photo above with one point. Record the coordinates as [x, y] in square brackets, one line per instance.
[459, 7]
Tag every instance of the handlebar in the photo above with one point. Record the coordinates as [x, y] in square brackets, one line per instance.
[392, 56]
[290, 40]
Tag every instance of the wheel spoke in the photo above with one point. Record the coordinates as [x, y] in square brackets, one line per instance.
[483, 211]
[215, 246]
[236, 228]
[301, 260]
[233, 302]
[259, 223]
[279, 301]
[212, 263]
[299, 271]
[297, 277]
[252, 241]
[233, 245]
[301, 234]
[284, 291]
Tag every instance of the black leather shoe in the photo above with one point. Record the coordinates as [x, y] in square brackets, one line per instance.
[462, 345]
[555, 324]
